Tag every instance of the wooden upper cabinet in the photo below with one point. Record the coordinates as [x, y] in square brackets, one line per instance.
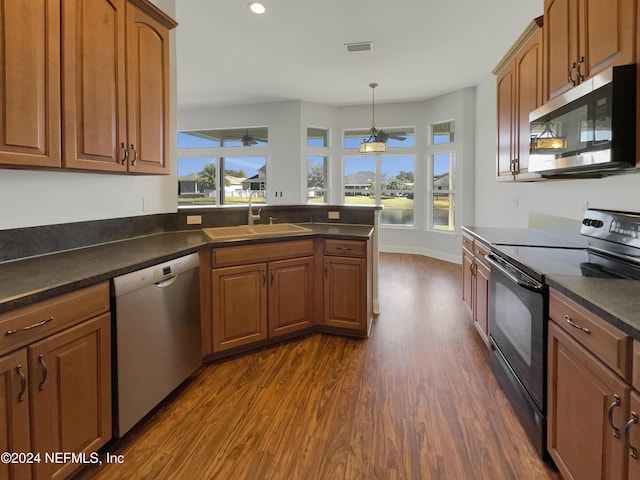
[94, 89]
[584, 37]
[148, 93]
[30, 83]
[519, 91]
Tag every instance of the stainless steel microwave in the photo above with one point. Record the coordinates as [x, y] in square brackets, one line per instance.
[589, 130]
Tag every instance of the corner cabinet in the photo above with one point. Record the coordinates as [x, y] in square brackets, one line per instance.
[519, 91]
[89, 87]
[260, 292]
[475, 284]
[347, 286]
[589, 395]
[55, 361]
[584, 37]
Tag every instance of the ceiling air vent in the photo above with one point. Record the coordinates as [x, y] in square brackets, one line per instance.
[358, 47]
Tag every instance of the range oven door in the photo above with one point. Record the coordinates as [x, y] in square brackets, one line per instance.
[517, 325]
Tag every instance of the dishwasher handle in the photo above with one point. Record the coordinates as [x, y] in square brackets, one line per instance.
[166, 282]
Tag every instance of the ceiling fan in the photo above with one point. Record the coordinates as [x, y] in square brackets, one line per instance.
[249, 140]
[384, 136]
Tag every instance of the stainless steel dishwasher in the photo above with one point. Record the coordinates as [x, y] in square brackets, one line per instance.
[157, 336]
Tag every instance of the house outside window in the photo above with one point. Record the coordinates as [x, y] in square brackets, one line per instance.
[318, 140]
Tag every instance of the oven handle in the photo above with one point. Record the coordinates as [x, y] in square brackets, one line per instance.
[529, 285]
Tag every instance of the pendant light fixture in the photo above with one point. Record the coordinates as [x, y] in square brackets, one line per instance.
[373, 144]
[548, 141]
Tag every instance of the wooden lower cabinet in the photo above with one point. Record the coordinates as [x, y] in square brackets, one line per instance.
[70, 393]
[481, 310]
[344, 305]
[258, 301]
[14, 413]
[475, 284]
[587, 402]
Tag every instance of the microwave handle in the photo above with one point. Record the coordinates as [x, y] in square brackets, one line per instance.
[529, 285]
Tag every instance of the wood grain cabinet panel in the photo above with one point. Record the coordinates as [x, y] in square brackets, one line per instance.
[583, 38]
[14, 413]
[476, 275]
[632, 437]
[30, 83]
[290, 295]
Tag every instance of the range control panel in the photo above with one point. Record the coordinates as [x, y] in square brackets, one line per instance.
[619, 227]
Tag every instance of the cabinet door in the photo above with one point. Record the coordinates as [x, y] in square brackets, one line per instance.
[14, 413]
[468, 278]
[506, 85]
[290, 295]
[70, 387]
[239, 305]
[560, 44]
[581, 397]
[147, 93]
[633, 433]
[93, 46]
[345, 293]
[30, 83]
[528, 95]
[607, 34]
[481, 307]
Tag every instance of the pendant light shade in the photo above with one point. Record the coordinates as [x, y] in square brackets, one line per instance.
[373, 144]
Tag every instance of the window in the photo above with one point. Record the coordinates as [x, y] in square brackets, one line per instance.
[386, 180]
[317, 137]
[443, 132]
[443, 174]
[205, 177]
[316, 179]
[229, 137]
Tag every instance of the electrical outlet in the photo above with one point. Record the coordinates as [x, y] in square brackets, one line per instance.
[334, 215]
[194, 219]
[147, 204]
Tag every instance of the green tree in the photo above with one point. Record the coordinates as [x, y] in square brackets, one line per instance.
[236, 173]
[207, 177]
[316, 176]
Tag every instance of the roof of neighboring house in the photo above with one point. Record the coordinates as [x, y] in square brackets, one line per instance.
[192, 177]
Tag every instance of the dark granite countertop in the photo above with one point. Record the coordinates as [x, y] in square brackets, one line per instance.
[522, 236]
[25, 281]
[614, 300]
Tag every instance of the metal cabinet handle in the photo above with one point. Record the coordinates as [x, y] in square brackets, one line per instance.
[616, 403]
[125, 153]
[571, 69]
[575, 325]
[633, 451]
[271, 277]
[264, 278]
[29, 327]
[580, 74]
[326, 269]
[135, 154]
[44, 372]
[344, 248]
[23, 383]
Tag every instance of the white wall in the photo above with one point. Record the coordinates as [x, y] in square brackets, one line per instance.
[509, 204]
[31, 197]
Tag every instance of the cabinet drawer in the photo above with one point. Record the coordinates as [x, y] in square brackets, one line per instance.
[345, 248]
[481, 251]
[467, 242]
[33, 322]
[606, 342]
[245, 254]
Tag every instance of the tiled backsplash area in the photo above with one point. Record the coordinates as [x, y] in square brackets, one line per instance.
[31, 241]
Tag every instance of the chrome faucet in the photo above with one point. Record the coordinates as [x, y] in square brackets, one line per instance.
[250, 216]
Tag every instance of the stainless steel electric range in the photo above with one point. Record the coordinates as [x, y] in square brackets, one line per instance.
[519, 302]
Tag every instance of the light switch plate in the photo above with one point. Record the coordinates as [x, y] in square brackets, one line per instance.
[334, 215]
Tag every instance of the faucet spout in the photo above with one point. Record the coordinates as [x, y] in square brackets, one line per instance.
[251, 217]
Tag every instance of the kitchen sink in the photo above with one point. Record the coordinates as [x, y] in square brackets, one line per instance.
[255, 231]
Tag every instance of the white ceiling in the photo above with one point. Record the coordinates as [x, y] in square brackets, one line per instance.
[421, 48]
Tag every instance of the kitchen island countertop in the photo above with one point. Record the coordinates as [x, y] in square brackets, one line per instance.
[29, 280]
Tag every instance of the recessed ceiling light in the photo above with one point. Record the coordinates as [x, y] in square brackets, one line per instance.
[257, 7]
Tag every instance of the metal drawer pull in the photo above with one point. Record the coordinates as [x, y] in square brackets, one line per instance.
[343, 248]
[633, 451]
[612, 407]
[29, 327]
[125, 153]
[575, 325]
[23, 383]
[45, 372]
[135, 154]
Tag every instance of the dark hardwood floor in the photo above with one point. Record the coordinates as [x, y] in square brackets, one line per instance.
[414, 401]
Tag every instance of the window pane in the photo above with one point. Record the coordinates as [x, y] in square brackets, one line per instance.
[359, 180]
[317, 137]
[229, 137]
[241, 176]
[196, 140]
[316, 179]
[197, 181]
[443, 191]
[443, 132]
[397, 186]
